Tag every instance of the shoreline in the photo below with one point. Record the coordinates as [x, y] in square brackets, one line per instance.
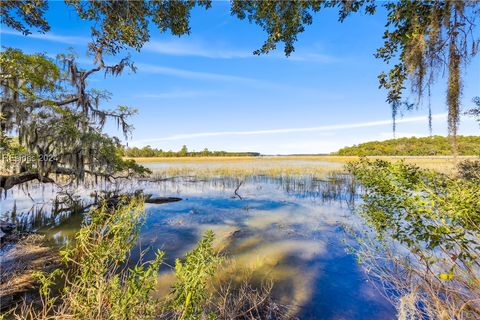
[331, 158]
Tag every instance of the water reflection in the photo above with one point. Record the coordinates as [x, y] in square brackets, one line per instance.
[287, 229]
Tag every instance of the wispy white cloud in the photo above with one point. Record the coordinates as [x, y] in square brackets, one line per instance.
[315, 52]
[220, 77]
[195, 48]
[188, 74]
[174, 94]
[50, 37]
[313, 57]
[192, 48]
[188, 47]
[441, 116]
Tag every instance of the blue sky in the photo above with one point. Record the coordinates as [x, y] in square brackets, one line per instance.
[207, 89]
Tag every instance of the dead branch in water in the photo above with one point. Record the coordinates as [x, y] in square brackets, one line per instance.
[236, 190]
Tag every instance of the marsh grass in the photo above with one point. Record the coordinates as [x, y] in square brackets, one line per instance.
[247, 300]
[193, 274]
[272, 166]
[243, 172]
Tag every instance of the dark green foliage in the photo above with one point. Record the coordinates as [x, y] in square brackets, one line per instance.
[427, 146]
[26, 76]
[121, 24]
[148, 151]
[22, 15]
[118, 24]
[427, 230]
[421, 208]
[284, 20]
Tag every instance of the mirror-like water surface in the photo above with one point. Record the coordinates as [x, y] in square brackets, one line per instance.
[288, 230]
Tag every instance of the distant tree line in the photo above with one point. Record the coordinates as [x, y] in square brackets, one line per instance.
[427, 146]
[148, 151]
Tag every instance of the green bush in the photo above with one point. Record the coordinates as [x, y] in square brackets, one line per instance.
[430, 222]
[190, 292]
[97, 282]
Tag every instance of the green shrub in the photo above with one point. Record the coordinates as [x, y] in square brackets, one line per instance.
[190, 292]
[428, 224]
[413, 146]
[97, 282]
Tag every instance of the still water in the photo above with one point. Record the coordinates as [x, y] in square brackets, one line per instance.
[288, 230]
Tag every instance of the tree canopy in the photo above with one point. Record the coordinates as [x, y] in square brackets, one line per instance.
[58, 120]
[47, 103]
[425, 146]
[118, 24]
[148, 151]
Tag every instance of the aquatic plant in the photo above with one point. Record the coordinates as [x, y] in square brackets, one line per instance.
[98, 284]
[424, 238]
[190, 291]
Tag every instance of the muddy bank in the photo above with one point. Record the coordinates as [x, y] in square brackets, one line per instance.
[20, 256]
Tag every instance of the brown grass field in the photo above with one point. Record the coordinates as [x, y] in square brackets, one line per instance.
[284, 165]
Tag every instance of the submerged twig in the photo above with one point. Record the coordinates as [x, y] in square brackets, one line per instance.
[236, 190]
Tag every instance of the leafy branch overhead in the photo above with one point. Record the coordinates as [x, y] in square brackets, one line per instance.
[422, 38]
[118, 24]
